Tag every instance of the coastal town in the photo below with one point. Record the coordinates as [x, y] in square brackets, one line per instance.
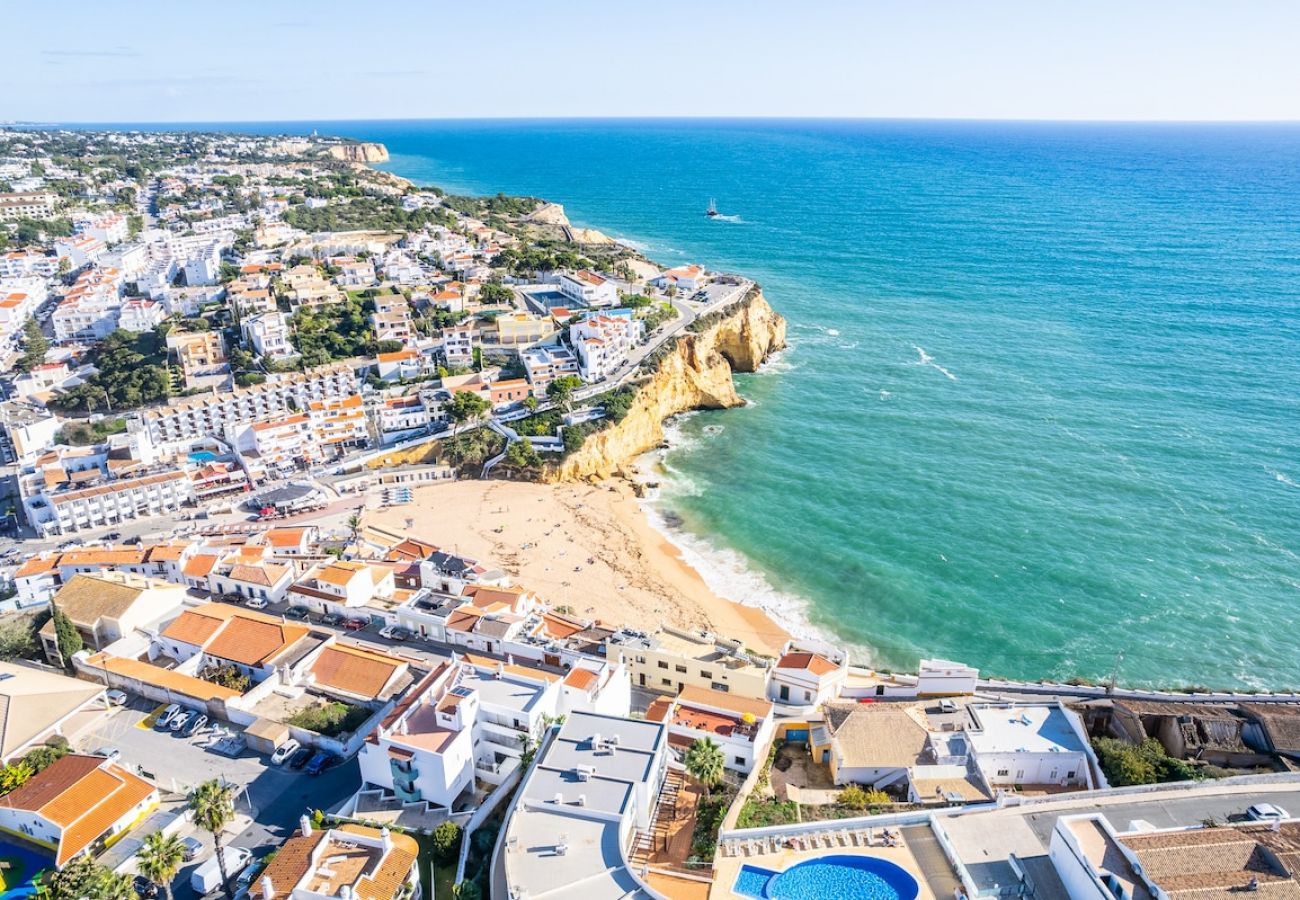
[325, 574]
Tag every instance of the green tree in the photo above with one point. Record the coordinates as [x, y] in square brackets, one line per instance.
[530, 403]
[466, 406]
[561, 390]
[467, 890]
[66, 636]
[446, 842]
[705, 762]
[15, 776]
[35, 346]
[213, 806]
[855, 797]
[1144, 763]
[493, 293]
[161, 858]
[228, 677]
[522, 455]
[354, 526]
[84, 878]
[17, 637]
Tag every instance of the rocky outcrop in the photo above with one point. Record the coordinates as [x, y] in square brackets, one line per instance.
[360, 153]
[695, 374]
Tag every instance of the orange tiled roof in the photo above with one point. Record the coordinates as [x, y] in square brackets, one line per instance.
[192, 627]
[691, 695]
[172, 680]
[581, 679]
[354, 671]
[200, 566]
[81, 794]
[813, 662]
[251, 642]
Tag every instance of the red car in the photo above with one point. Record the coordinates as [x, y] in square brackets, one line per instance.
[355, 624]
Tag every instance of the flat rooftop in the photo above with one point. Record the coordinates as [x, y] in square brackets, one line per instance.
[502, 690]
[1023, 729]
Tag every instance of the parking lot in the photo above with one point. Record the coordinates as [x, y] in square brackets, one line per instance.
[271, 798]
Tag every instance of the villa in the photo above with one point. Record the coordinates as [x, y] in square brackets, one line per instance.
[595, 784]
[350, 861]
[741, 726]
[104, 606]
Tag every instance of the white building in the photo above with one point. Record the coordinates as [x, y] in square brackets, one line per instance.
[27, 205]
[686, 279]
[603, 342]
[203, 266]
[90, 309]
[269, 335]
[595, 785]
[741, 726]
[808, 674]
[139, 315]
[588, 288]
[67, 509]
[1031, 744]
[546, 363]
[20, 263]
[458, 344]
[350, 861]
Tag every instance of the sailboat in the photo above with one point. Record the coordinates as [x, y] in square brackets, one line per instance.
[712, 211]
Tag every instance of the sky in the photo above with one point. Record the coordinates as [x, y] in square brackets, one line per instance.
[284, 60]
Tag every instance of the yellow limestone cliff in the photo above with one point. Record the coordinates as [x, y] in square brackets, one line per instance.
[366, 152]
[696, 374]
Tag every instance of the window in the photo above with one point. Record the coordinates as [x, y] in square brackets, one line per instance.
[706, 675]
[667, 681]
[807, 695]
[641, 660]
[1002, 772]
[719, 686]
[662, 664]
[1069, 774]
[681, 669]
[740, 760]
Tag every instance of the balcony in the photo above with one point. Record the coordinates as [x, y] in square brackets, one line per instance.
[403, 770]
[406, 793]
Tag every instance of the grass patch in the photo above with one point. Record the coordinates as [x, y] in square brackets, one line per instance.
[330, 719]
[708, 819]
[759, 813]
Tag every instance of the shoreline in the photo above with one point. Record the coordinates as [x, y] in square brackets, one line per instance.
[588, 547]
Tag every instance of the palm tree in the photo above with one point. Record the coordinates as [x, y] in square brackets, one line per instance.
[161, 858]
[354, 524]
[705, 761]
[213, 806]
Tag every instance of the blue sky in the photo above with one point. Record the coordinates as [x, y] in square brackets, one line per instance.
[285, 59]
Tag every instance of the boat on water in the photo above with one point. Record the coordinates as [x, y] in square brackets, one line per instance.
[712, 211]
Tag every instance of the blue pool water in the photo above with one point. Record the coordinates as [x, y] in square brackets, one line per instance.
[840, 877]
[203, 456]
[26, 864]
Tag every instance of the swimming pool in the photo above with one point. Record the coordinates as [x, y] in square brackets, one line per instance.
[839, 877]
[24, 864]
[200, 456]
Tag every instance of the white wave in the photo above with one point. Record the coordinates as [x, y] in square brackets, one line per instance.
[639, 246]
[721, 218]
[729, 575]
[833, 332]
[1282, 477]
[928, 360]
[885, 395]
[778, 362]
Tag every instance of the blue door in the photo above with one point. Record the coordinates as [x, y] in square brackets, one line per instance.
[797, 735]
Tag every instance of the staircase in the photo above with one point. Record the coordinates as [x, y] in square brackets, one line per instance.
[649, 841]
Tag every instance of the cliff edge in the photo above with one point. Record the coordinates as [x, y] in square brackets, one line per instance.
[695, 374]
[367, 152]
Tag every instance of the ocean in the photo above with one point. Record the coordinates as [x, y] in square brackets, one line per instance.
[1040, 412]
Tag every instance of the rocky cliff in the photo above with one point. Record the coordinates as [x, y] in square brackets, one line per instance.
[696, 374]
[360, 153]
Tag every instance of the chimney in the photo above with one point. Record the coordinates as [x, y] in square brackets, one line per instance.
[268, 889]
[386, 839]
[304, 825]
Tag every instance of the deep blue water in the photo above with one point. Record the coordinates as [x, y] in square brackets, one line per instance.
[1042, 402]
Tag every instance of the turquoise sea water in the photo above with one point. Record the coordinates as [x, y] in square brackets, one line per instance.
[1042, 401]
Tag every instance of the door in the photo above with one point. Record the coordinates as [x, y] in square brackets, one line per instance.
[643, 679]
[785, 692]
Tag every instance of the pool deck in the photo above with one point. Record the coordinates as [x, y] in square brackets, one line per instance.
[726, 868]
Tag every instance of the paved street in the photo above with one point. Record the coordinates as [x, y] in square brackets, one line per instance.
[274, 796]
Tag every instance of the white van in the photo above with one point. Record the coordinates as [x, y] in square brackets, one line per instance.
[207, 877]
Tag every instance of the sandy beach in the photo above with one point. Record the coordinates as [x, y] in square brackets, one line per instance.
[586, 546]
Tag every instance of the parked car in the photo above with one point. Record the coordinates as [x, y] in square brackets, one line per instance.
[113, 536]
[165, 718]
[284, 751]
[1266, 812]
[320, 762]
[332, 619]
[144, 887]
[180, 720]
[195, 724]
[192, 847]
[355, 624]
[394, 633]
[115, 697]
[301, 757]
[255, 603]
[207, 876]
[297, 612]
[112, 754]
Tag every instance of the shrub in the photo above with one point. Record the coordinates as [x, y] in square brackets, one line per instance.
[856, 797]
[330, 719]
[446, 842]
[1145, 763]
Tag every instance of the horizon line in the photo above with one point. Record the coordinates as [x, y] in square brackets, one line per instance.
[661, 118]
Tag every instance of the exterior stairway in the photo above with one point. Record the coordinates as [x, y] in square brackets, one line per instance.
[649, 841]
